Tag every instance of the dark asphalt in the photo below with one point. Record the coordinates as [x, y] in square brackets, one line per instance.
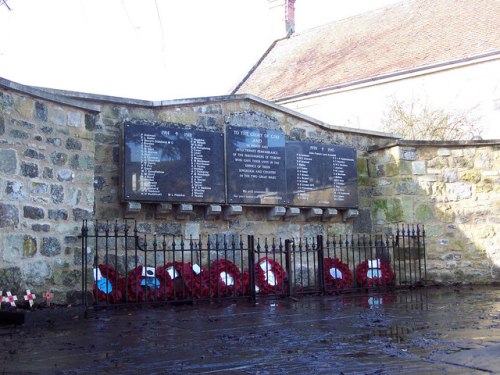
[424, 331]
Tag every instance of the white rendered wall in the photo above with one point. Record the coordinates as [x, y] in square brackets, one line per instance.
[473, 90]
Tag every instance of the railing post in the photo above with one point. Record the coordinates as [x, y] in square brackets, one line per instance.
[251, 269]
[321, 268]
[288, 264]
[85, 232]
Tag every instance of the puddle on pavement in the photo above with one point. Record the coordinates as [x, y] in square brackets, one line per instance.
[385, 332]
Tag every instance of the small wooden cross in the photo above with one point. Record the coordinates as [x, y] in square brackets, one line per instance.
[48, 296]
[10, 299]
[30, 297]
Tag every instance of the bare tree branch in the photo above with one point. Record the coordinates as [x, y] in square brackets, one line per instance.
[428, 123]
[4, 2]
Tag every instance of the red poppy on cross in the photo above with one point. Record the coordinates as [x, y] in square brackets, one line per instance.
[29, 297]
[10, 299]
[48, 297]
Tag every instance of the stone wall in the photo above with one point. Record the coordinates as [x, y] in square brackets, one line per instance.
[454, 190]
[46, 189]
[60, 163]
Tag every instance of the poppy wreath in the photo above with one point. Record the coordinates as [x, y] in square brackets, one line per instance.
[337, 274]
[111, 282]
[181, 272]
[363, 279]
[269, 277]
[140, 288]
[197, 284]
[225, 279]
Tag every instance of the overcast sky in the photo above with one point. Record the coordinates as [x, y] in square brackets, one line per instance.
[147, 49]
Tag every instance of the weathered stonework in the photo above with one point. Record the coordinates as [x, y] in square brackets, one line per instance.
[456, 197]
[38, 139]
[60, 165]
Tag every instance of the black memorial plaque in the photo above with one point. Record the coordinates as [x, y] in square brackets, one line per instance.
[321, 175]
[173, 164]
[255, 166]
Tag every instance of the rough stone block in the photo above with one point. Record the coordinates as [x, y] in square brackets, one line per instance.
[39, 188]
[73, 144]
[90, 122]
[458, 191]
[8, 161]
[424, 214]
[443, 152]
[41, 227]
[58, 214]
[450, 175]
[57, 194]
[387, 210]
[46, 129]
[363, 223]
[10, 277]
[407, 187]
[58, 158]
[65, 175]
[75, 119]
[64, 276]
[9, 216]
[36, 273]
[29, 170]
[23, 124]
[19, 134]
[169, 229]
[48, 173]
[34, 213]
[418, 167]
[15, 190]
[80, 214]
[192, 231]
[408, 153]
[471, 176]
[50, 247]
[41, 111]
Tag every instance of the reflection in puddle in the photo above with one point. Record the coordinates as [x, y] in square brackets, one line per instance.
[396, 333]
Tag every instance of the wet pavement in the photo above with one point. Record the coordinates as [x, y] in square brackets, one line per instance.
[423, 331]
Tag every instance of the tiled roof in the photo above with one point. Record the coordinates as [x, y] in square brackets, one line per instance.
[405, 36]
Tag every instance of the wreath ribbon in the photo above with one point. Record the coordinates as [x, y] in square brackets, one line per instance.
[143, 287]
[109, 286]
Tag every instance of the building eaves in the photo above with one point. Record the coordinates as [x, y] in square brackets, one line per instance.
[393, 76]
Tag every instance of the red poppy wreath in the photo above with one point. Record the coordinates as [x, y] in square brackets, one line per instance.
[337, 274]
[269, 276]
[225, 279]
[197, 281]
[374, 273]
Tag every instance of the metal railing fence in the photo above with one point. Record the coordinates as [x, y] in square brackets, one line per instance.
[121, 265]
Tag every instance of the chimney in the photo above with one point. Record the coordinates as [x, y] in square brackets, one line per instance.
[289, 17]
[283, 10]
